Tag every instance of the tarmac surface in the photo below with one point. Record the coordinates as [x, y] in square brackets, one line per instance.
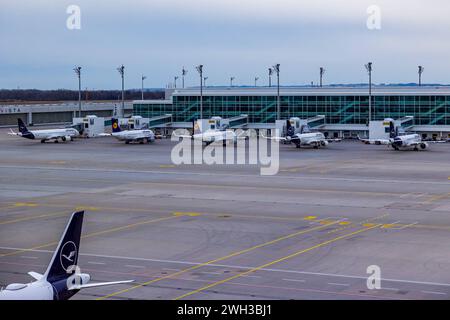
[225, 231]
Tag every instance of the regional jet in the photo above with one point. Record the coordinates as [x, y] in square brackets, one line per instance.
[216, 134]
[142, 136]
[399, 139]
[45, 135]
[63, 278]
[303, 136]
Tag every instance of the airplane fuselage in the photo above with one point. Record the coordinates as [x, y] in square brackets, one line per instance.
[314, 139]
[408, 142]
[63, 134]
[210, 136]
[37, 290]
[134, 135]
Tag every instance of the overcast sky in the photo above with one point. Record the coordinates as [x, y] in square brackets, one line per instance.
[240, 38]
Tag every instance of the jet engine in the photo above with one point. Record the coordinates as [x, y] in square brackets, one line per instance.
[423, 145]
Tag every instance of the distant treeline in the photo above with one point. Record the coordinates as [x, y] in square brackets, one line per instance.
[18, 95]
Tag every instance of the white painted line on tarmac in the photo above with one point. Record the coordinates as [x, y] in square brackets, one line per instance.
[338, 284]
[294, 280]
[226, 174]
[99, 263]
[134, 266]
[239, 267]
[207, 272]
[171, 269]
[434, 292]
[390, 289]
[28, 257]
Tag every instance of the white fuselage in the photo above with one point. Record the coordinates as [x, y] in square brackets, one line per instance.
[133, 135]
[408, 141]
[312, 139]
[54, 133]
[210, 136]
[38, 290]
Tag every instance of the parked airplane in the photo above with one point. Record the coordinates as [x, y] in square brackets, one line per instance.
[45, 135]
[216, 134]
[303, 136]
[141, 136]
[399, 139]
[62, 279]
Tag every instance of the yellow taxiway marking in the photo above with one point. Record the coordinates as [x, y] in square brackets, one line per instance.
[310, 218]
[231, 255]
[368, 225]
[128, 226]
[390, 226]
[344, 223]
[86, 208]
[33, 217]
[58, 162]
[276, 261]
[25, 204]
[190, 214]
[167, 166]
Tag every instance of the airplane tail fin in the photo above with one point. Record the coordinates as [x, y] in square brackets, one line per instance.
[66, 254]
[22, 127]
[290, 130]
[195, 127]
[115, 125]
[392, 130]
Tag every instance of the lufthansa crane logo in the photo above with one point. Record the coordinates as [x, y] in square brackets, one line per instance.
[115, 125]
[68, 255]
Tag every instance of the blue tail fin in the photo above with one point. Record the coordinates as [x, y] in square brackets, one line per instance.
[392, 130]
[22, 127]
[66, 254]
[290, 130]
[115, 125]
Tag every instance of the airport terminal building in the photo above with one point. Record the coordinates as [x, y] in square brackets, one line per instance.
[346, 109]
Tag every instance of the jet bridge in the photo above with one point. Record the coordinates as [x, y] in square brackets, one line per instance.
[138, 122]
[298, 123]
[237, 122]
[379, 130]
[90, 125]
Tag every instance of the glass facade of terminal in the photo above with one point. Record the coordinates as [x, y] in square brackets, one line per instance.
[348, 109]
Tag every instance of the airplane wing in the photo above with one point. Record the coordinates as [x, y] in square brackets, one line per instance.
[99, 284]
[12, 133]
[104, 134]
[273, 138]
[375, 141]
[35, 275]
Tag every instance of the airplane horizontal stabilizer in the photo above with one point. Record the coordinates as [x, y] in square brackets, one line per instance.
[36, 275]
[99, 284]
